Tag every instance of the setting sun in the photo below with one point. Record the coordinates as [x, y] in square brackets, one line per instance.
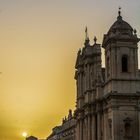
[39, 40]
[24, 134]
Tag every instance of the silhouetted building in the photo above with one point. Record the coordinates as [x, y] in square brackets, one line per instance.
[31, 138]
[66, 130]
[108, 99]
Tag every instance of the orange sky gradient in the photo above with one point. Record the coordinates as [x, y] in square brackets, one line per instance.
[39, 40]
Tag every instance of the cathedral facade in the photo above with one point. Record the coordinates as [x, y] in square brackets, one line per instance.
[108, 99]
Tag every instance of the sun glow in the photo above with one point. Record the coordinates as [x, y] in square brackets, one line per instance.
[24, 134]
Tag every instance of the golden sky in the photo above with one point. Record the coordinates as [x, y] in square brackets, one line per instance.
[39, 40]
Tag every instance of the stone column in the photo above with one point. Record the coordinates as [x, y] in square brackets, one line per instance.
[81, 130]
[99, 126]
[84, 130]
[77, 131]
[86, 123]
[105, 126]
[89, 128]
[93, 128]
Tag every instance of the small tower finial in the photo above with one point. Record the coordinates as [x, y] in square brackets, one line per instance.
[119, 13]
[86, 33]
[95, 39]
[135, 32]
[86, 37]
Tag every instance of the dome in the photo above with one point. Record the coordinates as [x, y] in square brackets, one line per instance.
[120, 31]
[120, 25]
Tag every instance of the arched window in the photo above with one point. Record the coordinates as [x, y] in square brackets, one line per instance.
[124, 63]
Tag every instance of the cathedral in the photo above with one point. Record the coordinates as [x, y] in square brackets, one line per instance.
[108, 99]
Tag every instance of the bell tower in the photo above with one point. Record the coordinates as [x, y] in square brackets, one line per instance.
[121, 91]
[121, 58]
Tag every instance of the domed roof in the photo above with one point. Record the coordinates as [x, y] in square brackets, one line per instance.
[120, 24]
[120, 31]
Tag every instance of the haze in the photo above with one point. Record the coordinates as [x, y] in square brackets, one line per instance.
[39, 40]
